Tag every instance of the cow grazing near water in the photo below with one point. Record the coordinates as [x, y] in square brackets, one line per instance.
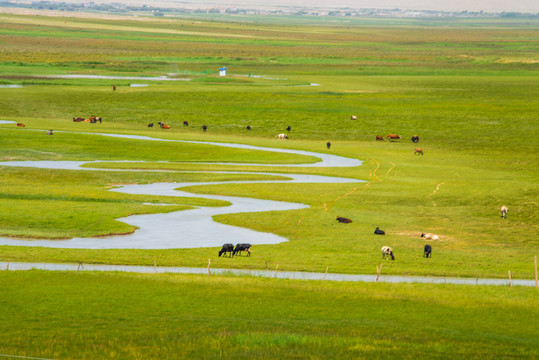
[503, 211]
[150, 125]
[204, 128]
[282, 136]
[21, 125]
[185, 123]
[343, 220]
[429, 236]
[50, 132]
[418, 151]
[415, 139]
[393, 137]
[377, 231]
[427, 251]
[328, 145]
[227, 248]
[387, 251]
[379, 138]
[242, 247]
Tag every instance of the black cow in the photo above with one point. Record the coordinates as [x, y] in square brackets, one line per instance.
[288, 128]
[242, 247]
[379, 232]
[227, 248]
[204, 128]
[185, 123]
[427, 252]
[328, 144]
[150, 125]
[248, 127]
[415, 138]
[343, 220]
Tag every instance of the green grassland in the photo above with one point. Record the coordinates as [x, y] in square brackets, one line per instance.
[74, 315]
[469, 92]
[469, 89]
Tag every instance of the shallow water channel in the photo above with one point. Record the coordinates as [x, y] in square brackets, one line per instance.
[297, 275]
[189, 228]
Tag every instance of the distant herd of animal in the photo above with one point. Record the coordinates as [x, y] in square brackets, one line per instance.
[387, 252]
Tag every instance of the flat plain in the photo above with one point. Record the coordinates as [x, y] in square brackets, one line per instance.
[469, 90]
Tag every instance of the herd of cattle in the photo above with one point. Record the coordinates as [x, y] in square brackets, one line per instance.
[232, 251]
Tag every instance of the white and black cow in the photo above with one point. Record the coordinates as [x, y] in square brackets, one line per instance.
[387, 251]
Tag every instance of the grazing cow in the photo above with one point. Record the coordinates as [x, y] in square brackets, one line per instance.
[379, 232]
[288, 128]
[328, 145]
[415, 139]
[504, 211]
[79, 119]
[113, 87]
[379, 138]
[282, 136]
[387, 251]
[353, 117]
[248, 127]
[166, 127]
[429, 236]
[98, 119]
[49, 132]
[160, 123]
[427, 251]
[418, 151]
[343, 220]
[150, 125]
[393, 137]
[21, 125]
[227, 248]
[242, 247]
[185, 123]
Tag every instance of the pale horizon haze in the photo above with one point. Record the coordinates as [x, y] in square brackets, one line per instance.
[525, 6]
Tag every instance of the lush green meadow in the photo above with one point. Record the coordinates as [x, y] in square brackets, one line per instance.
[74, 315]
[470, 92]
[469, 89]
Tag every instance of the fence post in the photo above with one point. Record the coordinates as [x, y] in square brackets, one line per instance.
[326, 273]
[378, 270]
[510, 280]
[209, 262]
[275, 275]
[535, 261]
[154, 265]
[7, 267]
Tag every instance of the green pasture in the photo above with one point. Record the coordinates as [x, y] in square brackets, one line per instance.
[76, 315]
[470, 93]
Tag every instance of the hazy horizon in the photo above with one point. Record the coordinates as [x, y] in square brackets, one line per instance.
[527, 6]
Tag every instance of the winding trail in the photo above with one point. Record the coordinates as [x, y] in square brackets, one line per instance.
[189, 228]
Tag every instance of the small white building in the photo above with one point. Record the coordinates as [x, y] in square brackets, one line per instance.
[222, 71]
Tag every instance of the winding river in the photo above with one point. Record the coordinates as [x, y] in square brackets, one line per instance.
[189, 228]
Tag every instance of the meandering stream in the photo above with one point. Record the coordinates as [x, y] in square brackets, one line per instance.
[189, 228]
